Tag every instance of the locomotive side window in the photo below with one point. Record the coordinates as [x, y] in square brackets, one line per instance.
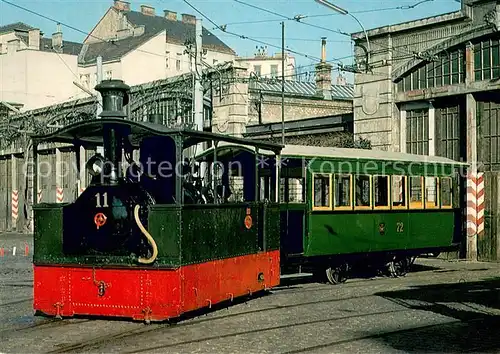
[363, 192]
[381, 192]
[446, 190]
[343, 192]
[322, 191]
[431, 192]
[265, 188]
[236, 185]
[399, 192]
[416, 189]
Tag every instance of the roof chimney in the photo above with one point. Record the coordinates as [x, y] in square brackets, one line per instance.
[34, 39]
[148, 10]
[189, 19]
[57, 40]
[323, 49]
[170, 15]
[121, 5]
[324, 75]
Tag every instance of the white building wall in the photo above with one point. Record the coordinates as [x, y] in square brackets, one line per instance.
[154, 60]
[266, 65]
[36, 78]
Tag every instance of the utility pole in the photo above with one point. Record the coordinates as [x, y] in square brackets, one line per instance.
[198, 93]
[283, 83]
[100, 149]
[99, 79]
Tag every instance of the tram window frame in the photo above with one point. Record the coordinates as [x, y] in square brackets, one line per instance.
[404, 202]
[374, 190]
[418, 204]
[342, 207]
[370, 191]
[327, 176]
[436, 203]
[451, 197]
[285, 190]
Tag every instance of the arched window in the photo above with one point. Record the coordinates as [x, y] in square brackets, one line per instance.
[446, 68]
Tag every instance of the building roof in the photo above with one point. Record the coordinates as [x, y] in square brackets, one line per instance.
[299, 151]
[21, 31]
[339, 92]
[410, 25]
[71, 48]
[178, 32]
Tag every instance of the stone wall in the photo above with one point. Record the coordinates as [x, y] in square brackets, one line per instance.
[295, 108]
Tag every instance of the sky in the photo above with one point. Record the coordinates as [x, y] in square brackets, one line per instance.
[261, 26]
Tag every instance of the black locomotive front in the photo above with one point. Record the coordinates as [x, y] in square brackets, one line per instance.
[110, 216]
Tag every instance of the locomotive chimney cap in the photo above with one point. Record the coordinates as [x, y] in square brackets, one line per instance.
[114, 96]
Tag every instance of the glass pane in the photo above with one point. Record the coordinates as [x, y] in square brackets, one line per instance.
[264, 188]
[398, 191]
[296, 190]
[342, 191]
[362, 186]
[414, 79]
[446, 191]
[321, 191]
[422, 78]
[400, 86]
[446, 71]
[477, 57]
[381, 191]
[407, 83]
[430, 75]
[416, 192]
[431, 200]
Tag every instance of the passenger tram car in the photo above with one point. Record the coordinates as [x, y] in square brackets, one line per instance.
[141, 244]
[343, 208]
[153, 237]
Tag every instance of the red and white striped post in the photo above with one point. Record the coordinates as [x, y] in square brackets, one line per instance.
[15, 206]
[480, 203]
[471, 204]
[59, 195]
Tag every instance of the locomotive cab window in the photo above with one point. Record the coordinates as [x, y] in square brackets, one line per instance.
[381, 192]
[416, 190]
[343, 192]
[431, 193]
[399, 194]
[446, 189]
[322, 191]
[362, 192]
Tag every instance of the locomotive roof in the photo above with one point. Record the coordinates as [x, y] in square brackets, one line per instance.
[344, 153]
[91, 133]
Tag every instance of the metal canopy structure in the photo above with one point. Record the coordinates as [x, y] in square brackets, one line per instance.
[91, 133]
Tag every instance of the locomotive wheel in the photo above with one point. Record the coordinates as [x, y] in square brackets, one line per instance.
[338, 274]
[399, 267]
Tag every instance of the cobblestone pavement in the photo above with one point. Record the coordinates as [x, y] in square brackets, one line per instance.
[440, 306]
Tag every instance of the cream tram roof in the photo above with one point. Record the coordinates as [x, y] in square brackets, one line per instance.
[335, 153]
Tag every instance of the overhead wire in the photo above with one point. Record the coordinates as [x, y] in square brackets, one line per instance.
[299, 18]
[221, 28]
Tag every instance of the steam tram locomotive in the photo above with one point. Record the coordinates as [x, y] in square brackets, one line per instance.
[143, 241]
[161, 239]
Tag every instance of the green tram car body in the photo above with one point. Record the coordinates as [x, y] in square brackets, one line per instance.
[341, 207]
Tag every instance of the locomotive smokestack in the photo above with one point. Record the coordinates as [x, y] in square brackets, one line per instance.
[114, 97]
